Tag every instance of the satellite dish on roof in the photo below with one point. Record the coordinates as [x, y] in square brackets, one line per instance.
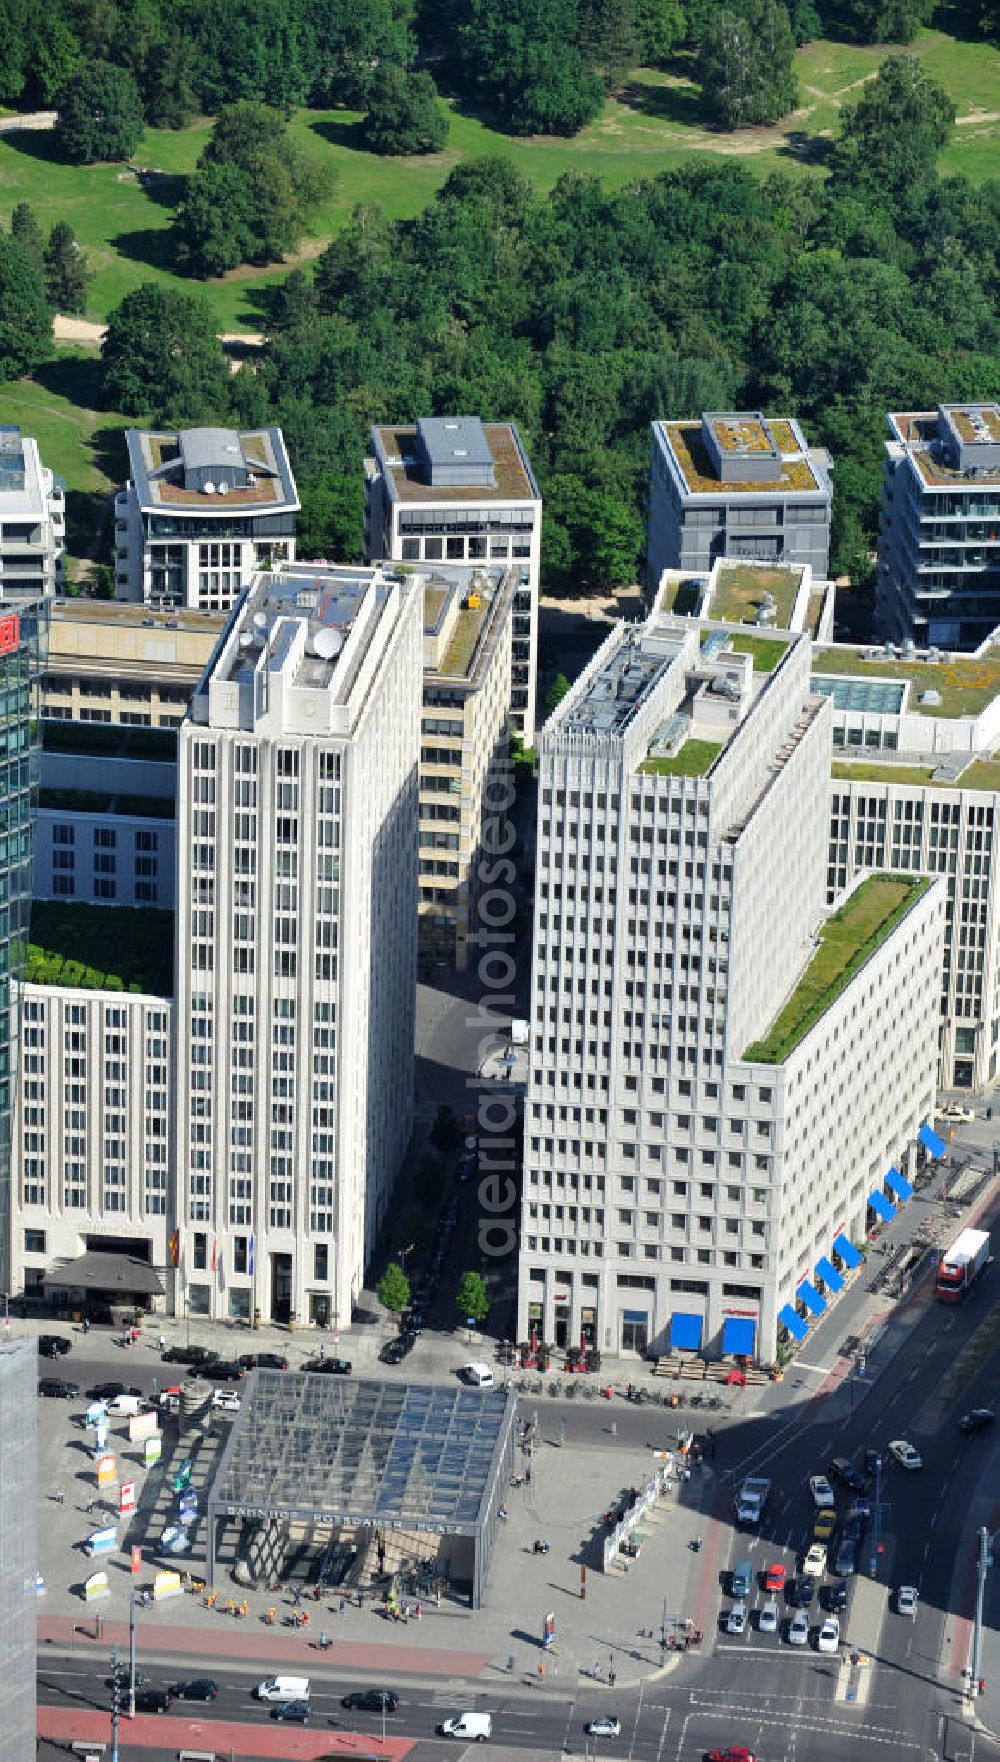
[327, 643]
[209, 488]
[260, 620]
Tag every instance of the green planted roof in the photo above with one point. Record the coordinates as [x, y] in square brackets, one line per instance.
[847, 939]
[100, 948]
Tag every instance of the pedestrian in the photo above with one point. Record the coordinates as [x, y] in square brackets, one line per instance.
[343, 1605]
[322, 1349]
[59, 1496]
[163, 1342]
[612, 1679]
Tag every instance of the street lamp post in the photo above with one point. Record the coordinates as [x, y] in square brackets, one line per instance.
[983, 1564]
[876, 1527]
[131, 1655]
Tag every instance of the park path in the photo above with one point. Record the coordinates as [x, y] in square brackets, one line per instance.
[34, 120]
[87, 330]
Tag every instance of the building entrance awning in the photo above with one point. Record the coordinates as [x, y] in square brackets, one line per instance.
[829, 1274]
[899, 1184]
[881, 1207]
[809, 1295]
[847, 1251]
[930, 1141]
[117, 1275]
[685, 1331]
[738, 1336]
[796, 1324]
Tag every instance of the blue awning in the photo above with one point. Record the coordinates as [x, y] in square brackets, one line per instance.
[793, 1321]
[881, 1207]
[738, 1336]
[930, 1140]
[899, 1184]
[685, 1331]
[809, 1295]
[847, 1251]
[829, 1274]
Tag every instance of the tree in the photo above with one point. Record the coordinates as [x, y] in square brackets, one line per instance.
[26, 232]
[353, 43]
[169, 88]
[659, 27]
[25, 321]
[160, 354]
[100, 114]
[405, 114]
[249, 196]
[608, 39]
[393, 1289]
[67, 270]
[524, 61]
[887, 21]
[293, 306]
[745, 65]
[556, 692]
[471, 1298]
[890, 138]
[445, 1133]
[331, 523]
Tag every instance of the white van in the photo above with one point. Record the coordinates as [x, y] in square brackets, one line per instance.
[127, 1406]
[283, 1688]
[475, 1727]
[479, 1376]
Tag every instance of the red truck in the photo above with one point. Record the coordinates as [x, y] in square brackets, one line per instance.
[961, 1264]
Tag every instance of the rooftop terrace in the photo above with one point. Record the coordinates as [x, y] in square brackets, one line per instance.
[795, 474]
[976, 436]
[740, 589]
[407, 473]
[965, 683]
[846, 941]
[980, 774]
[693, 759]
[100, 948]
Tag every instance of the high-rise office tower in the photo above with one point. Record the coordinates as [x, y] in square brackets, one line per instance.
[452, 489]
[722, 1075]
[938, 581]
[18, 1549]
[296, 943]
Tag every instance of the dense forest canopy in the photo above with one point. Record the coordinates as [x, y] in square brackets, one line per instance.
[584, 315]
[532, 65]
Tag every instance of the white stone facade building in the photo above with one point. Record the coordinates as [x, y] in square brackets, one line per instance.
[32, 521]
[204, 509]
[456, 490]
[94, 1128]
[296, 939]
[680, 1161]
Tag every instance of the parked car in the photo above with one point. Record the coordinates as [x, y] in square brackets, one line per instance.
[774, 1577]
[53, 1345]
[821, 1491]
[736, 1620]
[219, 1370]
[798, 1628]
[802, 1591]
[371, 1700]
[111, 1391]
[262, 1361]
[733, 1753]
[907, 1598]
[976, 1419]
[607, 1726]
[828, 1638]
[331, 1367]
[954, 1111]
[196, 1355]
[150, 1700]
[844, 1470]
[905, 1454]
[199, 1688]
[767, 1619]
[225, 1401]
[814, 1564]
[59, 1388]
[176, 1539]
[835, 1597]
[394, 1351]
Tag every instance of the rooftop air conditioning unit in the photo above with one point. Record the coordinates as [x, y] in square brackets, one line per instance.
[208, 488]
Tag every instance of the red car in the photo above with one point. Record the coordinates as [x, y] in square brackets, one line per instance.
[736, 1753]
[774, 1579]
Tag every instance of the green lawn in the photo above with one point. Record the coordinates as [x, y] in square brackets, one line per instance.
[847, 940]
[653, 126]
[965, 684]
[767, 651]
[693, 760]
